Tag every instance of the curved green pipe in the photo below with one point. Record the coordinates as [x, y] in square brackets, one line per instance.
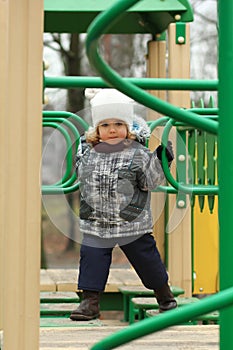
[64, 114]
[76, 134]
[96, 29]
[60, 189]
[188, 189]
[70, 181]
[159, 122]
[67, 186]
[70, 125]
[69, 159]
[167, 319]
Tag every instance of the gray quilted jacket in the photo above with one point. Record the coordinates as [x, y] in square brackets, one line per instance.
[115, 185]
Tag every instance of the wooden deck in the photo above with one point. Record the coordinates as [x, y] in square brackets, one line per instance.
[83, 336]
[53, 280]
[62, 333]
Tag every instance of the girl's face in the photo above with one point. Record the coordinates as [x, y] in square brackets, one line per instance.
[112, 131]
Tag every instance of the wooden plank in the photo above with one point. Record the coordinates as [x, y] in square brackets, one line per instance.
[64, 279]
[58, 306]
[127, 277]
[56, 297]
[136, 289]
[113, 282]
[46, 283]
[63, 322]
[66, 286]
[175, 338]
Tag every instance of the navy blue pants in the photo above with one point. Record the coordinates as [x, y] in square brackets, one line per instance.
[142, 253]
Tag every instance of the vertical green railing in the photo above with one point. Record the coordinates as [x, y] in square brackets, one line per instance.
[225, 151]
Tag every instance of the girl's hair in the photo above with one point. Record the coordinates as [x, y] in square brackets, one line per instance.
[93, 137]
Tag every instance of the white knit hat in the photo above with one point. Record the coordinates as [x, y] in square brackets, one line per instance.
[108, 104]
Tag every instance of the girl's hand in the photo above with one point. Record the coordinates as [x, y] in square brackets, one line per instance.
[169, 152]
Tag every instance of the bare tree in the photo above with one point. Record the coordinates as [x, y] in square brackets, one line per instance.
[204, 44]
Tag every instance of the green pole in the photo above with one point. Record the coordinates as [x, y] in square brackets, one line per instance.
[225, 151]
[70, 82]
[167, 319]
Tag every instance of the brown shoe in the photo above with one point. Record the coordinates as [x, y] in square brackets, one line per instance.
[88, 308]
[165, 298]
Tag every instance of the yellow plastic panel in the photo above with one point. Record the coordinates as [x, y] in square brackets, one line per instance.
[206, 249]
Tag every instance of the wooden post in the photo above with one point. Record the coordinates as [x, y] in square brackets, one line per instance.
[180, 248]
[3, 109]
[22, 146]
[156, 68]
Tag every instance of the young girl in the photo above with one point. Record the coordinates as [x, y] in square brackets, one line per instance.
[117, 173]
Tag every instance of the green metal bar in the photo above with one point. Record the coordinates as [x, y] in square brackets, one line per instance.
[181, 165]
[70, 82]
[225, 166]
[96, 29]
[69, 148]
[166, 189]
[171, 318]
[201, 169]
[64, 181]
[159, 122]
[211, 165]
[205, 111]
[60, 189]
[192, 161]
[66, 122]
[189, 189]
[76, 135]
[211, 142]
[67, 186]
[64, 114]
[153, 125]
[70, 181]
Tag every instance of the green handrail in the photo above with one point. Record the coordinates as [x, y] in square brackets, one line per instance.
[64, 114]
[188, 189]
[159, 122]
[60, 189]
[64, 185]
[174, 317]
[76, 135]
[68, 184]
[69, 148]
[153, 124]
[100, 24]
[70, 82]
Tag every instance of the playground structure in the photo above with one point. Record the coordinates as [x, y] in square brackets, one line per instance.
[22, 160]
